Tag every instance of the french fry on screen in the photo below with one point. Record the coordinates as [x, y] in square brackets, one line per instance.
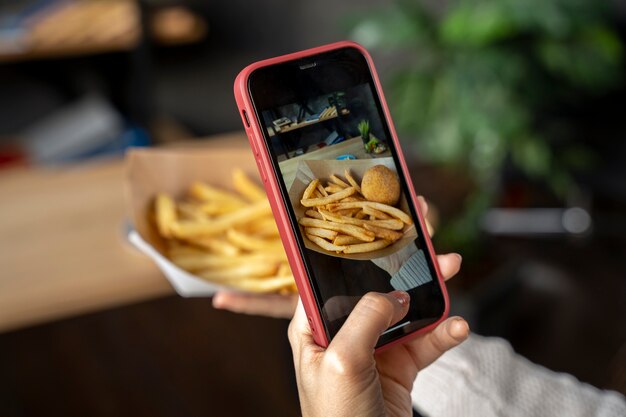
[395, 212]
[352, 181]
[367, 247]
[336, 180]
[325, 244]
[316, 231]
[345, 222]
[347, 229]
[312, 202]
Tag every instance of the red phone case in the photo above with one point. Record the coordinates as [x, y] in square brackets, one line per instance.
[287, 234]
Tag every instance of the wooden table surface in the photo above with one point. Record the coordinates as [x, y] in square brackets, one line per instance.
[63, 249]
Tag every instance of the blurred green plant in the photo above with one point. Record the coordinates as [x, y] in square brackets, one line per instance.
[479, 79]
[364, 130]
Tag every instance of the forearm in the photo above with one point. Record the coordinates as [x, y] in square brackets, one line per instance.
[484, 377]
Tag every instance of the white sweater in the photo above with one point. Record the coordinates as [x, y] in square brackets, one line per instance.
[485, 377]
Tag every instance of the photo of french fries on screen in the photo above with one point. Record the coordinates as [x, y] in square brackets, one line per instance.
[226, 237]
[352, 209]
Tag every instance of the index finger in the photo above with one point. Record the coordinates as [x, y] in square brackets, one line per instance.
[299, 332]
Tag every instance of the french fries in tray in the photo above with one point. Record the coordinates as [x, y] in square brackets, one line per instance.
[228, 238]
[338, 220]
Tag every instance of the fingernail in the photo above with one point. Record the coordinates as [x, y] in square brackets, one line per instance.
[458, 328]
[458, 255]
[403, 297]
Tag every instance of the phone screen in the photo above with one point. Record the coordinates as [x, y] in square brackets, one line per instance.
[323, 122]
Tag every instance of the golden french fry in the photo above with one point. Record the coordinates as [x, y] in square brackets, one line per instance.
[348, 229]
[259, 285]
[383, 233]
[272, 253]
[346, 173]
[284, 270]
[165, 211]
[286, 290]
[175, 248]
[351, 198]
[191, 211]
[376, 213]
[187, 229]
[249, 269]
[322, 190]
[335, 179]
[310, 188]
[205, 261]
[251, 243]
[324, 244]
[205, 192]
[316, 231]
[216, 208]
[367, 247]
[348, 212]
[264, 227]
[215, 245]
[312, 202]
[246, 187]
[395, 212]
[333, 188]
[314, 214]
[392, 224]
[360, 215]
[317, 194]
[342, 240]
[289, 289]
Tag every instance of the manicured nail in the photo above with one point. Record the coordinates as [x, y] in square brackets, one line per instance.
[403, 297]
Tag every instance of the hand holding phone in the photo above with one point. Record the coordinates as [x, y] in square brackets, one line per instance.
[348, 379]
[349, 225]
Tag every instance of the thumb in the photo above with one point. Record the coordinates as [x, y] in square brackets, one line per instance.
[373, 314]
[430, 346]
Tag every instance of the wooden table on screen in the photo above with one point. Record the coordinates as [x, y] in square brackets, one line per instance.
[63, 248]
[352, 146]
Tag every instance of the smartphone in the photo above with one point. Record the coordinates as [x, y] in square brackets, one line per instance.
[320, 129]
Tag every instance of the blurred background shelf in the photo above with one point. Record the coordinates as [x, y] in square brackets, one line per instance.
[59, 28]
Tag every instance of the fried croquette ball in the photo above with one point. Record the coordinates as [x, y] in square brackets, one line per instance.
[381, 184]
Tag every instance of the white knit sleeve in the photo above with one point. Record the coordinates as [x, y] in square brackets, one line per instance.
[485, 377]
